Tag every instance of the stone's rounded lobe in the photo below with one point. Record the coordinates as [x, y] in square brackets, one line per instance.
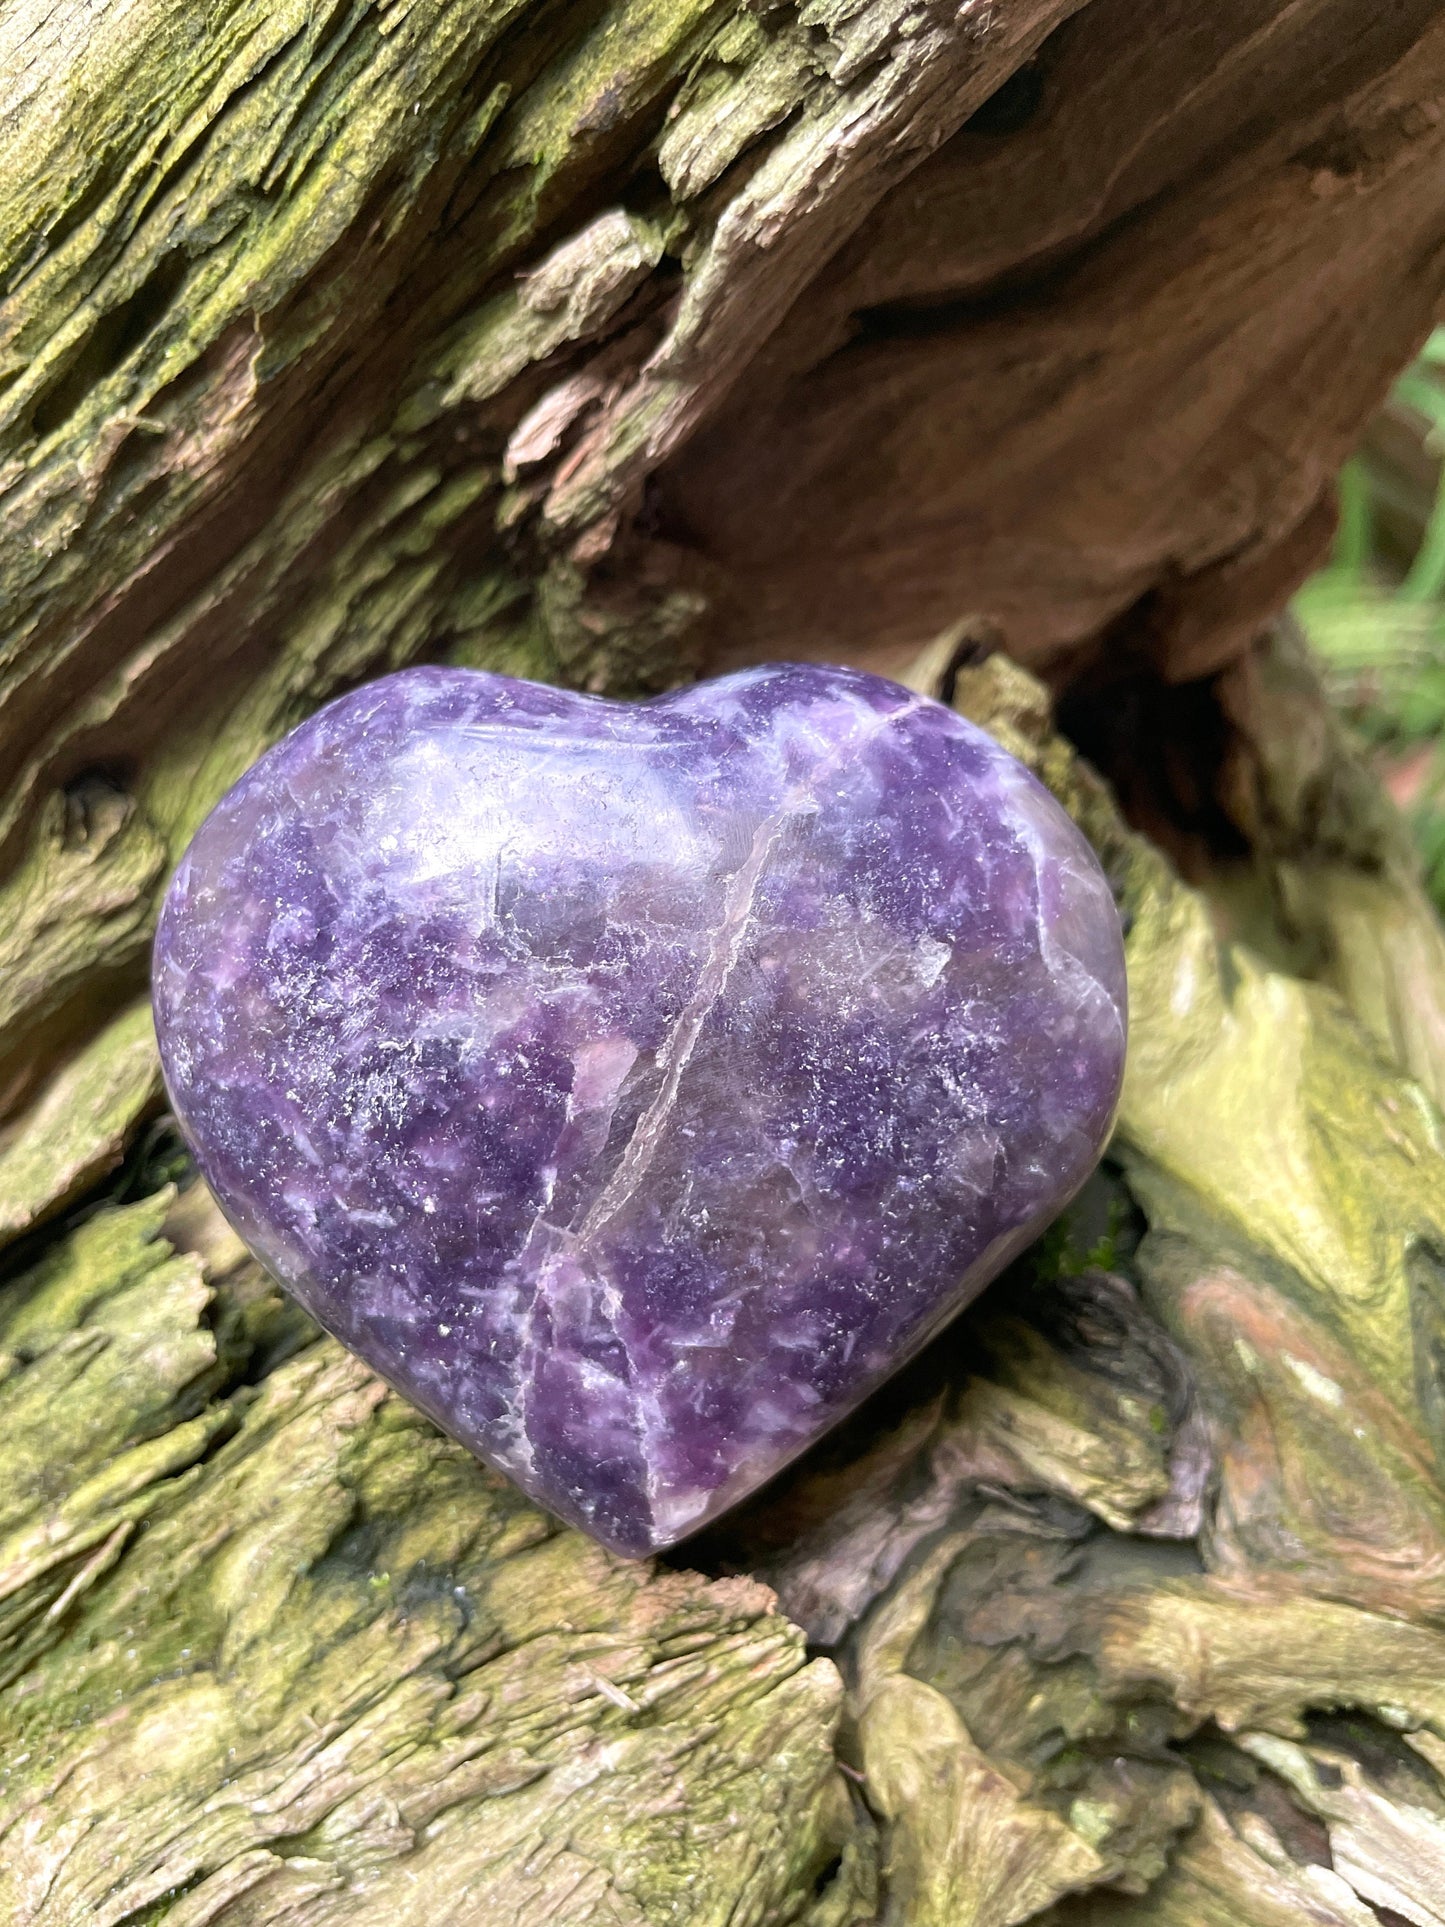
[636, 1086]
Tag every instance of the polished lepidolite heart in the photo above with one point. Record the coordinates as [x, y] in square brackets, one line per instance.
[635, 1086]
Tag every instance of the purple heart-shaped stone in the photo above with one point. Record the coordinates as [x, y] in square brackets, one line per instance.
[635, 1086]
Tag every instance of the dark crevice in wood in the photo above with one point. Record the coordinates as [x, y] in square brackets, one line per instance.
[1022, 98]
[116, 334]
[1165, 748]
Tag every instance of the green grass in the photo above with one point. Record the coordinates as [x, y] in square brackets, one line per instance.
[1377, 621]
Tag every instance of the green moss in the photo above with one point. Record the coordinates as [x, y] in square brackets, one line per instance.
[243, 1614]
[77, 1130]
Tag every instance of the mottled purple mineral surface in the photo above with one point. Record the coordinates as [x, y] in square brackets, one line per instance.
[635, 1086]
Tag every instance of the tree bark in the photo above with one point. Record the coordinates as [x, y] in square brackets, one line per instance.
[612, 343]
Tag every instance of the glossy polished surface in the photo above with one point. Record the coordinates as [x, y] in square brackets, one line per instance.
[635, 1086]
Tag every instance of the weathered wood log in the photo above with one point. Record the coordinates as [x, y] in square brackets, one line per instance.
[610, 343]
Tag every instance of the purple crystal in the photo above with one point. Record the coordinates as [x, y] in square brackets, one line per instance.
[636, 1086]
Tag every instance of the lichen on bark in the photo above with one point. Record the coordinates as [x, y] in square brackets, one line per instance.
[275, 1650]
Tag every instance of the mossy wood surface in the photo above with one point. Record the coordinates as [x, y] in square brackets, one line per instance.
[606, 343]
